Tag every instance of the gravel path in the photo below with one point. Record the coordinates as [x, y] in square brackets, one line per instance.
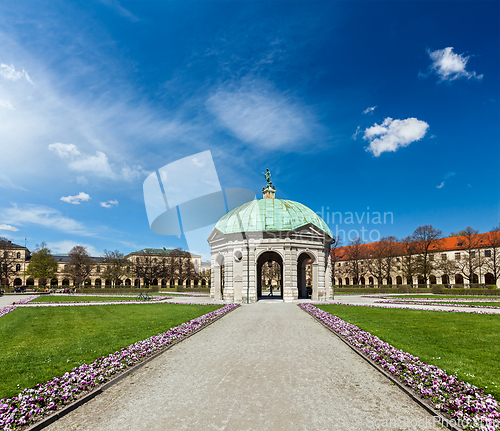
[265, 366]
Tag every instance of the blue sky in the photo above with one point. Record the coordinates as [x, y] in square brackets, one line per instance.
[355, 107]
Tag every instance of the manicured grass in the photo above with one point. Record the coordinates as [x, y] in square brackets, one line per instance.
[469, 297]
[464, 344]
[69, 298]
[37, 344]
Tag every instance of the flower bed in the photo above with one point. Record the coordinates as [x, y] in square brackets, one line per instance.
[9, 308]
[464, 403]
[31, 404]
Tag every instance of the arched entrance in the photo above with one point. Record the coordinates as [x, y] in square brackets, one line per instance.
[306, 276]
[270, 273]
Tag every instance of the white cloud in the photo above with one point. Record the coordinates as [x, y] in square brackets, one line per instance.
[97, 165]
[255, 112]
[9, 72]
[369, 110]
[6, 182]
[43, 216]
[8, 227]
[65, 246]
[440, 185]
[449, 66]
[75, 200]
[447, 176]
[109, 204]
[6, 104]
[393, 134]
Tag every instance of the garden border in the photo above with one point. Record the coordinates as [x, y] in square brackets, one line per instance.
[442, 419]
[58, 414]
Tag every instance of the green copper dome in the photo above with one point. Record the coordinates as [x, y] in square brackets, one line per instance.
[269, 215]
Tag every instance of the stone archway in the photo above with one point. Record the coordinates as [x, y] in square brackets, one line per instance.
[307, 283]
[266, 258]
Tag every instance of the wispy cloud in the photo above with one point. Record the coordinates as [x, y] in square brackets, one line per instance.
[370, 110]
[117, 7]
[109, 204]
[7, 183]
[6, 104]
[65, 247]
[10, 73]
[449, 66]
[358, 131]
[41, 215]
[446, 177]
[394, 134]
[8, 227]
[97, 165]
[257, 113]
[75, 200]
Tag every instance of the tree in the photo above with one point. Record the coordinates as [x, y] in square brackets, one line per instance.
[492, 262]
[336, 254]
[80, 264]
[459, 233]
[355, 254]
[469, 243]
[425, 237]
[7, 260]
[447, 267]
[207, 276]
[409, 258]
[42, 265]
[115, 266]
[182, 264]
[382, 256]
[151, 268]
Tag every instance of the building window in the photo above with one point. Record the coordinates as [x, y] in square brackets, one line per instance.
[340, 264]
[18, 267]
[431, 257]
[98, 269]
[457, 256]
[487, 253]
[472, 254]
[444, 257]
[137, 260]
[155, 260]
[19, 255]
[398, 259]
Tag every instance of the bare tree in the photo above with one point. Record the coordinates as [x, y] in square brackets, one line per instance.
[425, 237]
[8, 260]
[492, 259]
[336, 255]
[183, 265]
[447, 267]
[471, 261]
[150, 267]
[409, 258]
[115, 266]
[80, 264]
[382, 256]
[355, 265]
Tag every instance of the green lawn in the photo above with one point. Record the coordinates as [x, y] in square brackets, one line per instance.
[469, 297]
[37, 344]
[90, 298]
[464, 344]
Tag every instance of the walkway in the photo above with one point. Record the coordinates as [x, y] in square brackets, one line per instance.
[265, 366]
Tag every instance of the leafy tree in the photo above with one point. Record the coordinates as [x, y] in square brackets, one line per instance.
[80, 264]
[459, 233]
[115, 266]
[492, 262]
[207, 276]
[425, 237]
[42, 265]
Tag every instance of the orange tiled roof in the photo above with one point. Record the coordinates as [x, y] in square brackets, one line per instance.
[443, 244]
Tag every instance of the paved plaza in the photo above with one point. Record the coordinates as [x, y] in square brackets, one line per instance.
[265, 366]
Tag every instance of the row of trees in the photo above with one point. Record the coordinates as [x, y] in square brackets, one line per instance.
[418, 255]
[177, 265]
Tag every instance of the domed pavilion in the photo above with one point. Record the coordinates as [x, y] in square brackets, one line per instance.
[264, 231]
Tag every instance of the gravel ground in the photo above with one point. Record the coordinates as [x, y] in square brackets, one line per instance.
[265, 366]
